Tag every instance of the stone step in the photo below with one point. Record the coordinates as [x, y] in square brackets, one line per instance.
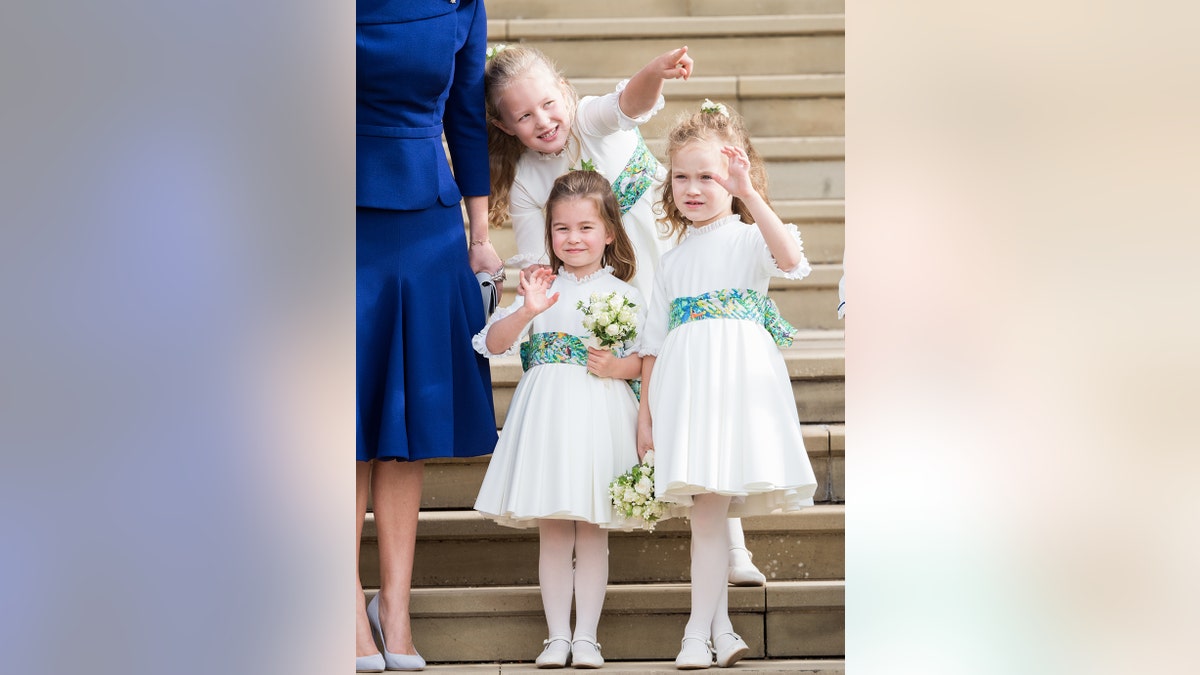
[810, 303]
[821, 223]
[452, 546]
[784, 619]
[609, 47]
[454, 483]
[744, 667]
[666, 667]
[541, 9]
[772, 105]
[818, 371]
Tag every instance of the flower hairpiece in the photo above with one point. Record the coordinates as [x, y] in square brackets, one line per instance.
[585, 165]
[494, 50]
[714, 108]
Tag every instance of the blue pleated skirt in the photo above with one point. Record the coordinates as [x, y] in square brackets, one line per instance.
[423, 392]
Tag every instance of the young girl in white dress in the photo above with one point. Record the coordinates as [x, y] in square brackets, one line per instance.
[540, 129]
[717, 404]
[572, 424]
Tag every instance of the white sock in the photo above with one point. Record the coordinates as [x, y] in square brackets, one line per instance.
[556, 543]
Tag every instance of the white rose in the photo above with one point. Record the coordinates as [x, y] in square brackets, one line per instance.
[630, 496]
[644, 486]
[597, 308]
[648, 460]
[613, 330]
[625, 316]
[603, 319]
[616, 301]
[588, 322]
[637, 512]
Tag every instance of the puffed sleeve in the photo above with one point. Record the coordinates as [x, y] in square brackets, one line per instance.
[529, 228]
[463, 121]
[479, 341]
[767, 261]
[602, 115]
[655, 326]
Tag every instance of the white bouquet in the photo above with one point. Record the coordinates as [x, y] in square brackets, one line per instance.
[632, 494]
[609, 317]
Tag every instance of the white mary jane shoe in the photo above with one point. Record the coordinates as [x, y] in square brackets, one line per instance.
[586, 654]
[742, 571]
[694, 654]
[557, 653]
[730, 649]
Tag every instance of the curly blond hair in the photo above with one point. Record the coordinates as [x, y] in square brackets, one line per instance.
[507, 65]
[591, 185]
[708, 126]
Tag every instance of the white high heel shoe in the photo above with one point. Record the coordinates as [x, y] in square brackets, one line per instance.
[369, 664]
[391, 661]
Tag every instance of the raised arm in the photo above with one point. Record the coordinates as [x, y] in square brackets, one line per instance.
[533, 285]
[787, 253]
[644, 88]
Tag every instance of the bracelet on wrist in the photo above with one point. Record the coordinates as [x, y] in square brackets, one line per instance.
[480, 242]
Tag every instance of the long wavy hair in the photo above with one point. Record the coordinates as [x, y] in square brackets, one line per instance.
[727, 129]
[593, 186]
[508, 65]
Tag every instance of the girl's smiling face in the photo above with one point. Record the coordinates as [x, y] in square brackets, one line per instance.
[578, 235]
[697, 194]
[534, 109]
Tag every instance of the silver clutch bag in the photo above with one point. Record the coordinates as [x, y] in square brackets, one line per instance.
[491, 297]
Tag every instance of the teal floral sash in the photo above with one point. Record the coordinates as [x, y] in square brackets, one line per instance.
[542, 348]
[733, 303]
[636, 177]
[552, 348]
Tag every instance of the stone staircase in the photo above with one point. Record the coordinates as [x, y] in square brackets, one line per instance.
[475, 605]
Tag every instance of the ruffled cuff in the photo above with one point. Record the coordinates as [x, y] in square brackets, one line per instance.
[523, 260]
[802, 268]
[646, 349]
[625, 121]
[479, 340]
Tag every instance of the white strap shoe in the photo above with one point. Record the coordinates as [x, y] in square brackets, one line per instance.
[557, 653]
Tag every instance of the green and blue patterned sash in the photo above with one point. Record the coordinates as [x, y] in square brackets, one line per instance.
[552, 348]
[733, 303]
[542, 348]
[636, 177]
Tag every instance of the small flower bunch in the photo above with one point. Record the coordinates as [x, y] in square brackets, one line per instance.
[714, 108]
[493, 50]
[610, 318]
[632, 494]
[585, 165]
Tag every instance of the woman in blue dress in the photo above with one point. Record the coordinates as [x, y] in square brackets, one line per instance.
[422, 391]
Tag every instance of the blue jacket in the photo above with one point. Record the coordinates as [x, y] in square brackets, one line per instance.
[420, 70]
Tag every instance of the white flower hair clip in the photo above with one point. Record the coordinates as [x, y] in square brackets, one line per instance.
[714, 108]
[494, 50]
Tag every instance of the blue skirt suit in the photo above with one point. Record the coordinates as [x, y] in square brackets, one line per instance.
[422, 391]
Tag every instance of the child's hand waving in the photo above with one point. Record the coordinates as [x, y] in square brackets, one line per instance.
[738, 182]
[534, 283]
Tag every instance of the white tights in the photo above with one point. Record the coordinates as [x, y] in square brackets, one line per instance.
[710, 567]
[558, 540]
